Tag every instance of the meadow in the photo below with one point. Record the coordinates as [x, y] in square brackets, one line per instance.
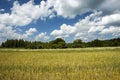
[60, 64]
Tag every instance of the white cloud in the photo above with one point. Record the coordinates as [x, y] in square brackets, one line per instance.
[22, 15]
[64, 30]
[7, 32]
[14, 20]
[79, 34]
[72, 8]
[100, 22]
[2, 10]
[31, 31]
[95, 29]
[56, 32]
[42, 36]
[81, 26]
[111, 30]
[28, 33]
[62, 36]
[87, 29]
[67, 8]
[112, 19]
[67, 29]
[33, 11]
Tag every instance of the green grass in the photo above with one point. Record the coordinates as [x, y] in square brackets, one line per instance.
[67, 64]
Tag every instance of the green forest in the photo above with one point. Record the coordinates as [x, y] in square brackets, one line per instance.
[59, 43]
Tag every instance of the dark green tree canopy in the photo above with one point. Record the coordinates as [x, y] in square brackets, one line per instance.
[77, 41]
[59, 43]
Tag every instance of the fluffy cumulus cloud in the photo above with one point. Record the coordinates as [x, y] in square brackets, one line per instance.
[6, 32]
[14, 20]
[115, 31]
[91, 27]
[105, 18]
[78, 29]
[72, 8]
[65, 31]
[113, 19]
[22, 15]
[42, 36]
[29, 32]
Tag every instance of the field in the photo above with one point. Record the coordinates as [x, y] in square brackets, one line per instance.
[64, 64]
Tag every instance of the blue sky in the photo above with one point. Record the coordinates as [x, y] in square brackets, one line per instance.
[46, 20]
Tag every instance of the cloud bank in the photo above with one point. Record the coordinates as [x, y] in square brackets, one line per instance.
[104, 19]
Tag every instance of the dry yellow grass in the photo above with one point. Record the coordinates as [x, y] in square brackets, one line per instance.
[67, 64]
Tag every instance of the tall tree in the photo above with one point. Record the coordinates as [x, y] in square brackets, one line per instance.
[57, 43]
[77, 43]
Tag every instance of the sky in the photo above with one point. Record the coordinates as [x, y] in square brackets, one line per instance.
[46, 20]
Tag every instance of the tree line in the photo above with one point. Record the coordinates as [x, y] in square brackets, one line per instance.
[59, 43]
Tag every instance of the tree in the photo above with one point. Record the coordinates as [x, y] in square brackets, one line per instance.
[77, 43]
[57, 43]
[96, 43]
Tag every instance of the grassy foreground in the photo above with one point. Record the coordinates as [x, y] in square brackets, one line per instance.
[67, 64]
